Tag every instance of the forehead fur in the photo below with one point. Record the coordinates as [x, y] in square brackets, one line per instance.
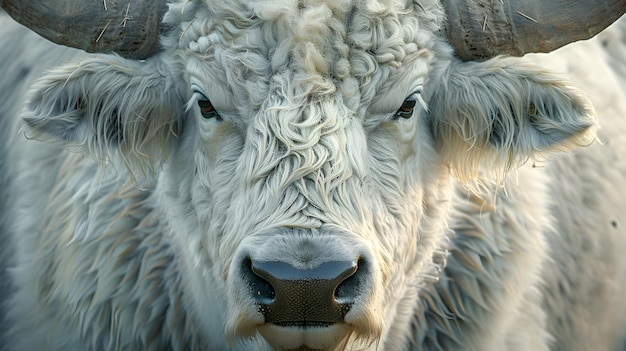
[317, 47]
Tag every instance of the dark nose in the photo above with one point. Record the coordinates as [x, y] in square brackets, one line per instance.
[290, 296]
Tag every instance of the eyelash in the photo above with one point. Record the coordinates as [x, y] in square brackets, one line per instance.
[406, 110]
[207, 109]
[408, 105]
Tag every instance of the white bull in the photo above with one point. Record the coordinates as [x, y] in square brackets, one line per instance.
[316, 175]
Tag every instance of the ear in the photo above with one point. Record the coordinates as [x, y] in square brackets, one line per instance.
[502, 111]
[108, 106]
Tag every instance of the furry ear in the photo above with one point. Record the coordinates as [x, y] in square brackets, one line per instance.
[107, 106]
[502, 111]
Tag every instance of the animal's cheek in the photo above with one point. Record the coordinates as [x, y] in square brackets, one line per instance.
[406, 131]
[400, 135]
[217, 139]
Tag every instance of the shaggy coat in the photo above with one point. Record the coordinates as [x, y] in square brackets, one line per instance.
[133, 192]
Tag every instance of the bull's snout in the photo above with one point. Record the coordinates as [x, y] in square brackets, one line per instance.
[303, 289]
[290, 296]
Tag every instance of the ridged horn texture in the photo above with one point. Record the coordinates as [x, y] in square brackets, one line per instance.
[481, 29]
[130, 28]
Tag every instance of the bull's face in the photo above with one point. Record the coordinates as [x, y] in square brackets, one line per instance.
[301, 156]
[313, 163]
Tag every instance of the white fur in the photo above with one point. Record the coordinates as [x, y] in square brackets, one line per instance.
[131, 231]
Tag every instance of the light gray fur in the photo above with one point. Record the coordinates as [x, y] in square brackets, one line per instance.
[123, 213]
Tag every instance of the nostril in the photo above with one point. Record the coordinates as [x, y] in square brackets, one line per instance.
[348, 290]
[263, 291]
[290, 295]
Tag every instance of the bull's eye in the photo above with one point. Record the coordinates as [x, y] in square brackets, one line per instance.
[408, 106]
[207, 110]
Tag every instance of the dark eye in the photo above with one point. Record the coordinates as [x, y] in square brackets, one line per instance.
[207, 109]
[406, 110]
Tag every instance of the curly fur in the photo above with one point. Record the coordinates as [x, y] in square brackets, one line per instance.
[131, 222]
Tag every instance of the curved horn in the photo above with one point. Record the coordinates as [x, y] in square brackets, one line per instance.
[130, 28]
[481, 29]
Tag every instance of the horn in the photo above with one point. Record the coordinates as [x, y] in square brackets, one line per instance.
[481, 29]
[130, 28]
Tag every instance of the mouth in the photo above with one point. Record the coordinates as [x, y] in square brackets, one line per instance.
[306, 336]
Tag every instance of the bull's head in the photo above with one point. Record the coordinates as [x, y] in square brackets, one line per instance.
[300, 149]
